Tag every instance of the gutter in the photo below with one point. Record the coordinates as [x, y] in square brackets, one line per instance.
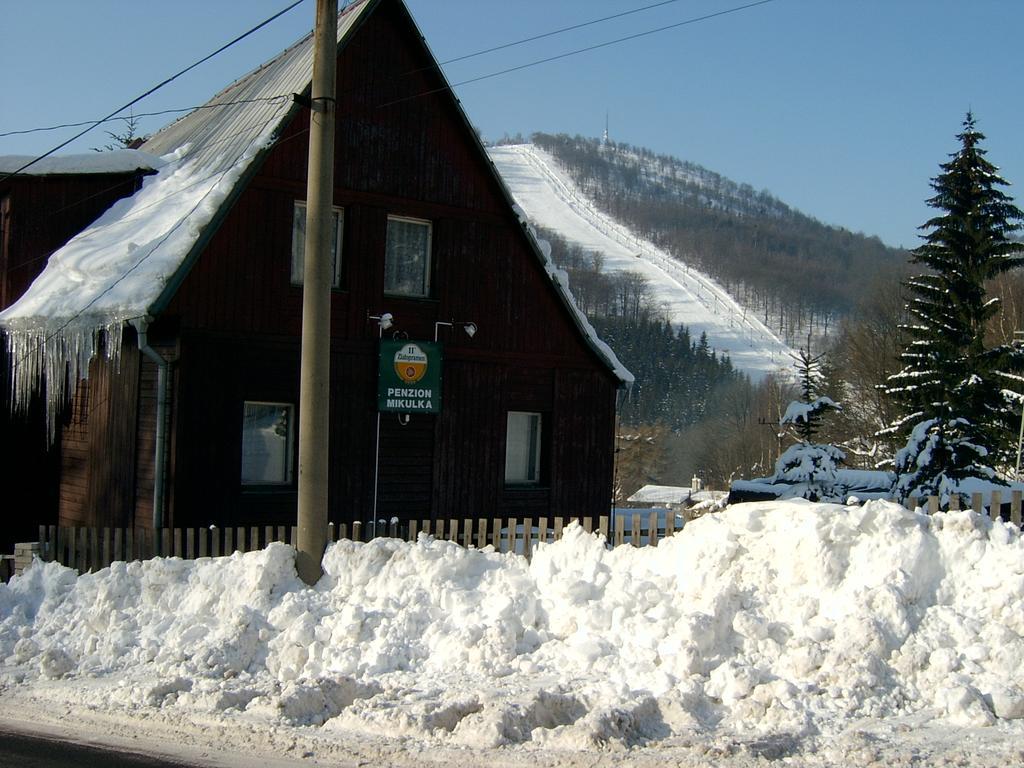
[160, 459]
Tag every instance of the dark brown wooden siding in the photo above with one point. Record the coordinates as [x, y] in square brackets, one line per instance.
[74, 465]
[98, 444]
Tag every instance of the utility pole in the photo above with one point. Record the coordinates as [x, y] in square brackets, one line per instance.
[315, 373]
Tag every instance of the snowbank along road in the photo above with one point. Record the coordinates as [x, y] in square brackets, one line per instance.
[821, 633]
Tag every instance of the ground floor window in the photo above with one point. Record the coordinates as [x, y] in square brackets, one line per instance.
[268, 438]
[522, 448]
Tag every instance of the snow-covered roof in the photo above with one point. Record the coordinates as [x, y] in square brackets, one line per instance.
[660, 494]
[116, 161]
[127, 265]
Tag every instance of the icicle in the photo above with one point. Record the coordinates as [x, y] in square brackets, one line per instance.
[51, 359]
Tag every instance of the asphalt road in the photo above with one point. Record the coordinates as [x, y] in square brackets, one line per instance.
[18, 750]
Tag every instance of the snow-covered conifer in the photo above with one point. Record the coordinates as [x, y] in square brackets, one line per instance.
[951, 390]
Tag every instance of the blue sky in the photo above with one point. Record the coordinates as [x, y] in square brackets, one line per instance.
[842, 108]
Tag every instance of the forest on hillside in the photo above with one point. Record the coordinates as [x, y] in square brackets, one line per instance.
[799, 275]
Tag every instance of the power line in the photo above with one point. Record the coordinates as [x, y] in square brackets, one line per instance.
[543, 35]
[436, 66]
[155, 88]
[94, 123]
[578, 51]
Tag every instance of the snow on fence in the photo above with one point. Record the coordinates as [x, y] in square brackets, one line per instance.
[90, 549]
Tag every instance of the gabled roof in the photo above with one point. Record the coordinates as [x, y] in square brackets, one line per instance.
[127, 265]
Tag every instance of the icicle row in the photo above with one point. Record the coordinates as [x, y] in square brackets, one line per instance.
[52, 362]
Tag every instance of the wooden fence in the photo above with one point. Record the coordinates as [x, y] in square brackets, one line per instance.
[90, 549]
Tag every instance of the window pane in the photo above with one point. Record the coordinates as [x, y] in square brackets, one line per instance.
[407, 258]
[267, 443]
[522, 448]
[299, 244]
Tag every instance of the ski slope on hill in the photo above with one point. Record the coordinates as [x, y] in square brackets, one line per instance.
[551, 200]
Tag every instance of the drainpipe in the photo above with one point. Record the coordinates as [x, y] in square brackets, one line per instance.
[160, 459]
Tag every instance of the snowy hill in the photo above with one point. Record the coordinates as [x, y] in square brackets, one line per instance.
[551, 200]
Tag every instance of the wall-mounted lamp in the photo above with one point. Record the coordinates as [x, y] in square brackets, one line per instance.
[384, 320]
[468, 326]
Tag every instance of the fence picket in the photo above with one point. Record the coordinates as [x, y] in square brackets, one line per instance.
[995, 504]
[105, 554]
[652, 529]
[634, 533]
[1015, 504]
[528, 537]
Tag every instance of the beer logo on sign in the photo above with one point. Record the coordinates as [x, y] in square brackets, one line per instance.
[410, 363]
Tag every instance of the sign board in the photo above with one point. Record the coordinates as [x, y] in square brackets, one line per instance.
[409, 377]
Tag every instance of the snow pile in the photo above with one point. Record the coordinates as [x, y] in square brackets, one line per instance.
[783, 618]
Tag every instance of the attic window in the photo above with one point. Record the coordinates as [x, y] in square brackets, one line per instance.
[407, 257]
[299, 244]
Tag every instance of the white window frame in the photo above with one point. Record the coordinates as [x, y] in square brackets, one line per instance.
[523, 445]
[298, 261]
[249, 445]
[427, 257]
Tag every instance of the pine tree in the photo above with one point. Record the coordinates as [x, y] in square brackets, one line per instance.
[808, 467]
[805, 414]
[955, 414]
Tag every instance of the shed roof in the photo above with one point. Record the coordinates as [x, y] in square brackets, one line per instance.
[117, 161]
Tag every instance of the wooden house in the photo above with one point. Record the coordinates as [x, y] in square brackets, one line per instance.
[177, 317]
